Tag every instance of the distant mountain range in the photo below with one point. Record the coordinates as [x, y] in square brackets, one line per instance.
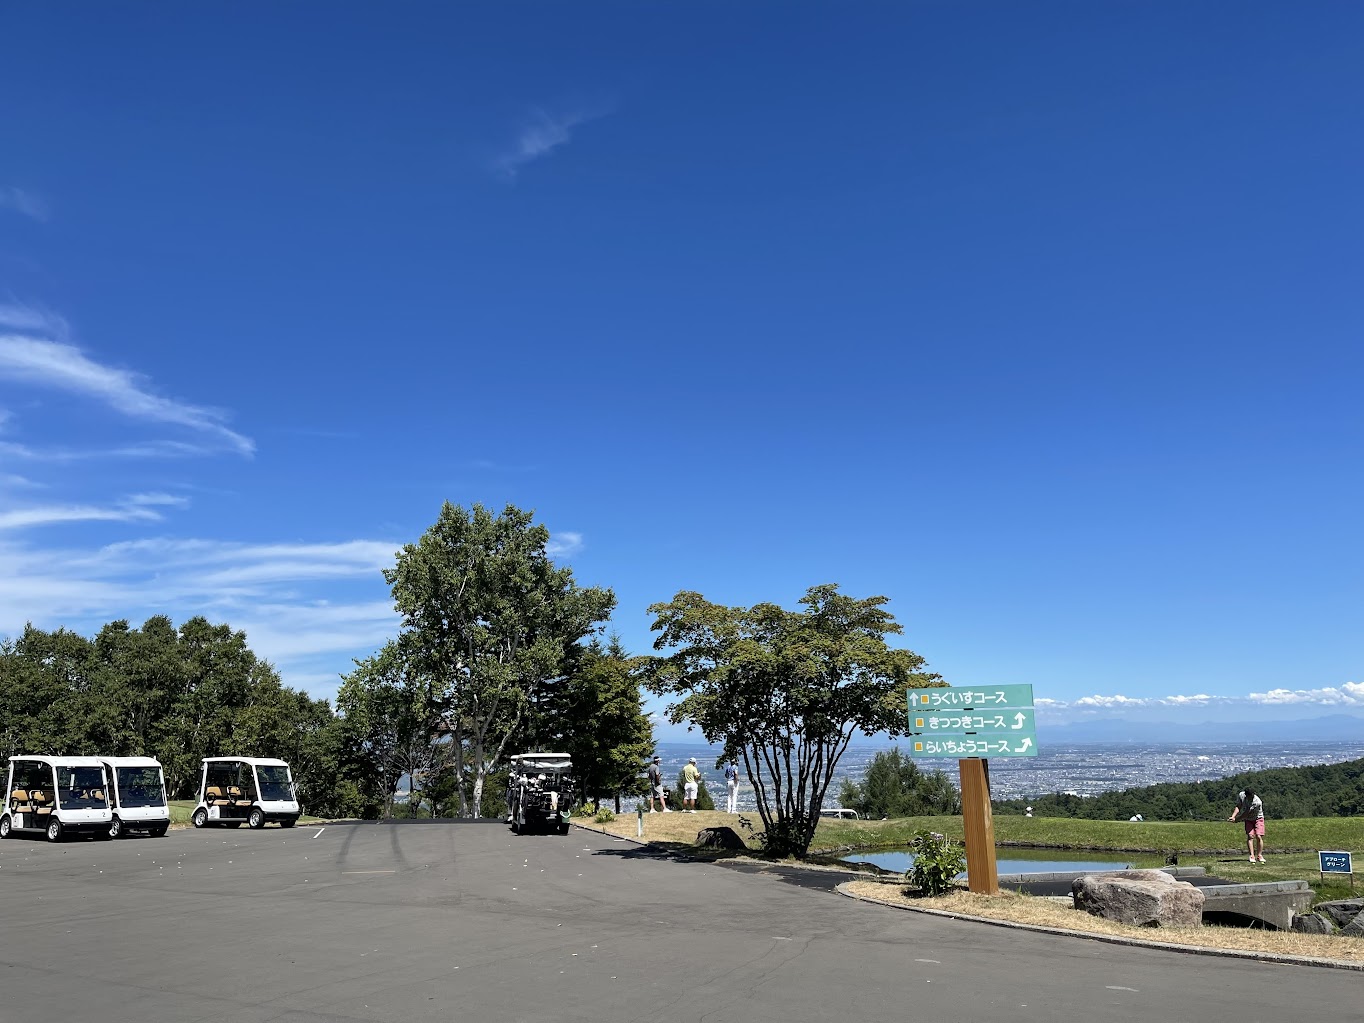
[1331, 728]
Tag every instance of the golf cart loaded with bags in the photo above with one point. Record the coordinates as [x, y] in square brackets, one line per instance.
[540, 792]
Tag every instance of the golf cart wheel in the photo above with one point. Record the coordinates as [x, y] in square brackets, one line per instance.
[5, 826]
[54, 830]
[257, 819]
[115, 828]
[200, 818]
[288, 822]
[159, 831]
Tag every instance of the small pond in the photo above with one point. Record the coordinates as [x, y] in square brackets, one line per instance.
[1020, 861]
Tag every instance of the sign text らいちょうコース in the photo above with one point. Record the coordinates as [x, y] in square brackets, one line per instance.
[972, 721]
[960, 746]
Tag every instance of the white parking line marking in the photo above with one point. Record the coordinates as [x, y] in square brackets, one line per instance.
[938, 961]
[369, 871]
[1119, 987]
[319, 831]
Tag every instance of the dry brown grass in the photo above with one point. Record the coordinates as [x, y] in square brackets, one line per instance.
[1043, 912]
[676, 828]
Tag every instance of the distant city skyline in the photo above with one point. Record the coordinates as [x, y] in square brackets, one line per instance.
[1041, 321]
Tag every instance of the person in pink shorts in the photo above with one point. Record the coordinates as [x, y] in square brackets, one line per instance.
[1251, 811]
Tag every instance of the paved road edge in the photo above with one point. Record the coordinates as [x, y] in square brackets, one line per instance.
[1113, 939]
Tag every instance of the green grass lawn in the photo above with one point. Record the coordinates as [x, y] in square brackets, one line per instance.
[1290, 845]
[180, 810]
[1302, 835]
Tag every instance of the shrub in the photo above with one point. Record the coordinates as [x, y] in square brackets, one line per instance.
[604, 816]
[937, 862]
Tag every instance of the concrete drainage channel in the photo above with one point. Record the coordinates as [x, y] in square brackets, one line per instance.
[1272, 903]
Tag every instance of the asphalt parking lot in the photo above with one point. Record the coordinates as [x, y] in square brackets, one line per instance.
[436, 921]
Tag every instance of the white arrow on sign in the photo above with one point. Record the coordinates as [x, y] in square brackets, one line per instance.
[1019, 719]
[1026, 744]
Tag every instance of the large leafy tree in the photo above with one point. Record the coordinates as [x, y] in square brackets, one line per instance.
[490, 620]
[603, 725]
[785, 691]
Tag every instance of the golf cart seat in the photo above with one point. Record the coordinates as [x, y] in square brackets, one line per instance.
[42, 802]
[238, 797]
[20, 801]
[213, 794]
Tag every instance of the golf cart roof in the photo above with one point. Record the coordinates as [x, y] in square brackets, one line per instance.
[542, 761]
[253, 761]
[62, 761]
[130, 761]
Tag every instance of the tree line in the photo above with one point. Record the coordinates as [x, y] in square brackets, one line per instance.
[176, 694]
[499, 650]
[1322, 790]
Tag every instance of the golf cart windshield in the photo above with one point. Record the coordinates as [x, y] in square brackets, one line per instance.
[140, 786]
[275, 785]
[81, 788]
[541, 765]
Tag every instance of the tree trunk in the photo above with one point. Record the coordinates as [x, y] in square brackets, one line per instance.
[457, 738]
[480, 772]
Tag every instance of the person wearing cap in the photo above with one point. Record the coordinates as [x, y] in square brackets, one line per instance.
[691, 783]
[656, 786]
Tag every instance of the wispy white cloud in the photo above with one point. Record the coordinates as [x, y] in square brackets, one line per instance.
[264, 589]
[563, 544]
[158, 499]
[27, 317]
[43, 362]
[541, 134]
[20, 201]
[1350, 694]
[56, 514]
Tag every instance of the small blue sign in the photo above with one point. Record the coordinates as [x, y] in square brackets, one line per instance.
[1335, 863]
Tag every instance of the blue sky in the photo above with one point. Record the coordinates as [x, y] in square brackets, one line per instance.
[1042, 320]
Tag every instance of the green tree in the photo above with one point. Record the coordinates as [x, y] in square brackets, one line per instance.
[603, 726]
[703, 796]
[37, 713]
[490, 619]
[393, 726]
[894, 786]
[785, 691]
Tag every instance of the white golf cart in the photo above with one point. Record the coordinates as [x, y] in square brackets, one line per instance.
[246, 790]
[56, 796]
[138, 786]
[540, 792]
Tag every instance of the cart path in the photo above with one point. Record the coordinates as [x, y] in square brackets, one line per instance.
[430, 921]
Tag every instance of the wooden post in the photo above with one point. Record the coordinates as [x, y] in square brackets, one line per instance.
[981, 875]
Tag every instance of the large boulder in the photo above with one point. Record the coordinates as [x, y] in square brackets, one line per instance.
[1146, 898]
[1313, 923]
[719, 838]
[1343, 911]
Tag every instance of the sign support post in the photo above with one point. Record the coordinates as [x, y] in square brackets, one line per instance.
[982, 876]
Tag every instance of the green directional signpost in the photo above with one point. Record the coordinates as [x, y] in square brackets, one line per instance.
[973, 723]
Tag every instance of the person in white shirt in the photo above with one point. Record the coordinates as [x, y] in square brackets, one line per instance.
[732, 780]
